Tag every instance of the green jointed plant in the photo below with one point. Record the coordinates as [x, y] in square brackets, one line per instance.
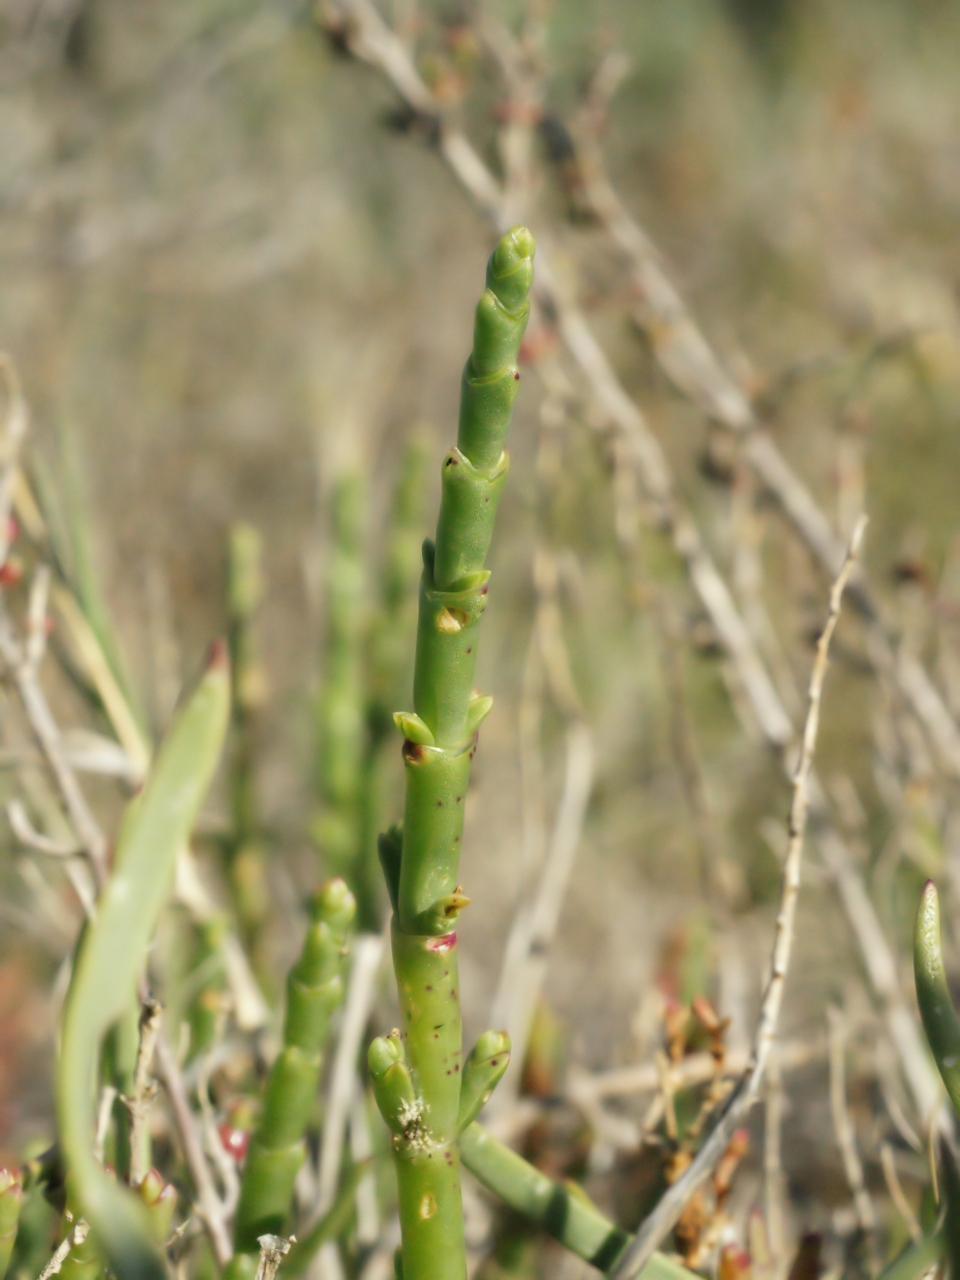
[11, 1198]
[563, 1210]
[113, 951]
[940, 1022]
[277, 1148]
[341, 728]
[245, 852]
[423, 1095]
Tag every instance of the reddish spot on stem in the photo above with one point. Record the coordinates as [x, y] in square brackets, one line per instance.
[516, 377]
[429, 987]
[218, 655]
[443, 943]
[459, 798]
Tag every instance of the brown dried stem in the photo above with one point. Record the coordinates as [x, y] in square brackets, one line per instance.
[668, 1210]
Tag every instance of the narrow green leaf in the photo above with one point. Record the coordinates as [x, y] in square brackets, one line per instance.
[113, 949]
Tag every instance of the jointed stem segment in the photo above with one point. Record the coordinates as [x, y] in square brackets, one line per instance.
[314, 990]
[418, 1072]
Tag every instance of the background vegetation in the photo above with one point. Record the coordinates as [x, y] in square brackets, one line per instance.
[235, 270]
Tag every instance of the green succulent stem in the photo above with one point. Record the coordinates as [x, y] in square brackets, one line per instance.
[417, 1075]
[342, 737]
[277, 1147]
[564, 1212]
[916, 1259]
[940, 1022]
[11, 1201]
[244, 596]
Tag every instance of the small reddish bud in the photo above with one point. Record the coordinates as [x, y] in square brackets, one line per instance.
[11, 572]
[235, 1141]
[218, 655]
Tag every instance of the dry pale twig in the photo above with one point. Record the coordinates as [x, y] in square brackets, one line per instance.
[76, 1235]
[843, 1124]
[108, 1095]
[367, 952]
[144, 1092]
[209, 1205]
[668, 1210]
[27, 834]
[273, 1249]
[371, 40]
[526, 954]
[894, 1186]
[691, 364]
[773, 1180]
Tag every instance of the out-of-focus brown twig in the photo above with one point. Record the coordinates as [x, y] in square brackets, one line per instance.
[360, 27]
[144, 1091]
[209, 1205]
[843, 1124]
[691, 364]
[669, 1208]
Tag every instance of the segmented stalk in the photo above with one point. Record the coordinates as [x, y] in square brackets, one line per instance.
[244, 595]
[417, 1074]
[939, 1018]
[277, 1148]
[563, 1211]
[341, 729]
[11, 1200]
[389, 665]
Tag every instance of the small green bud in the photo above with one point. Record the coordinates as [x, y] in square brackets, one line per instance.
[477, 711]
[443, 914]
[413, 728]
[392, 1084]
[484, 1067]
[383, 1053]
[334, 905]
[510, 269]
[471, 581]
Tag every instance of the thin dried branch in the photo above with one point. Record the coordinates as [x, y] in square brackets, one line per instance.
[108, 1095]
[888, 1162]
[843, 1124]
[881, 967]
[209, 1206]
[223, 1162]
[527, 952]
[668, 1210]
[76, 1235]
[691, 364]
[367, 952]
[15, 425]
[273, 1250]
[773, 1179]
[26, 833]
[144, 1092]
[694, 1069]
[358, 24]
[49, 739]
